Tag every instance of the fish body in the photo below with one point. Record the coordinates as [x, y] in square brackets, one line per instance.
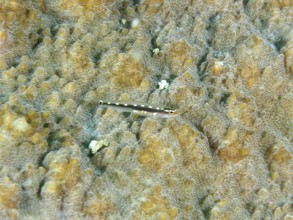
[147, 110]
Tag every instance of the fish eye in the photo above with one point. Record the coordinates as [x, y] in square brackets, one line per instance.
[101, 102]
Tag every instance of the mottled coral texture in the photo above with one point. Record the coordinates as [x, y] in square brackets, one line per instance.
[230, 69]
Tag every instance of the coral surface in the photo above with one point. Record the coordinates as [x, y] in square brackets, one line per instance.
[228, 67]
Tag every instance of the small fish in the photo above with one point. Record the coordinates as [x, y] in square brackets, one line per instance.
[144, 110]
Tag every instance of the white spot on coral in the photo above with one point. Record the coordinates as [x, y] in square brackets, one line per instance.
[97, 145]
[156, 51]
[215, 211]
[136, 55]
[21, 124]
[219, 63]
[123, 21]
[163, 85]
[135, 23]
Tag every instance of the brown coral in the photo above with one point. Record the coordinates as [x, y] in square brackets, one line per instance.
[156, 153]
[79, 7]
[23, 134]
[180, 56]
[19, 22]
[155, 206]
[128, 73]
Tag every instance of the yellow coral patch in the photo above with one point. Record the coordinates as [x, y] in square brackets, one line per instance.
[8, 196]
[82, 7]
[98, 206]
[156, 206]
[65, 174]
[128, 73]
[153, 6]
[151, 155]
[233, 153]
[180, 56]
[278, 154]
